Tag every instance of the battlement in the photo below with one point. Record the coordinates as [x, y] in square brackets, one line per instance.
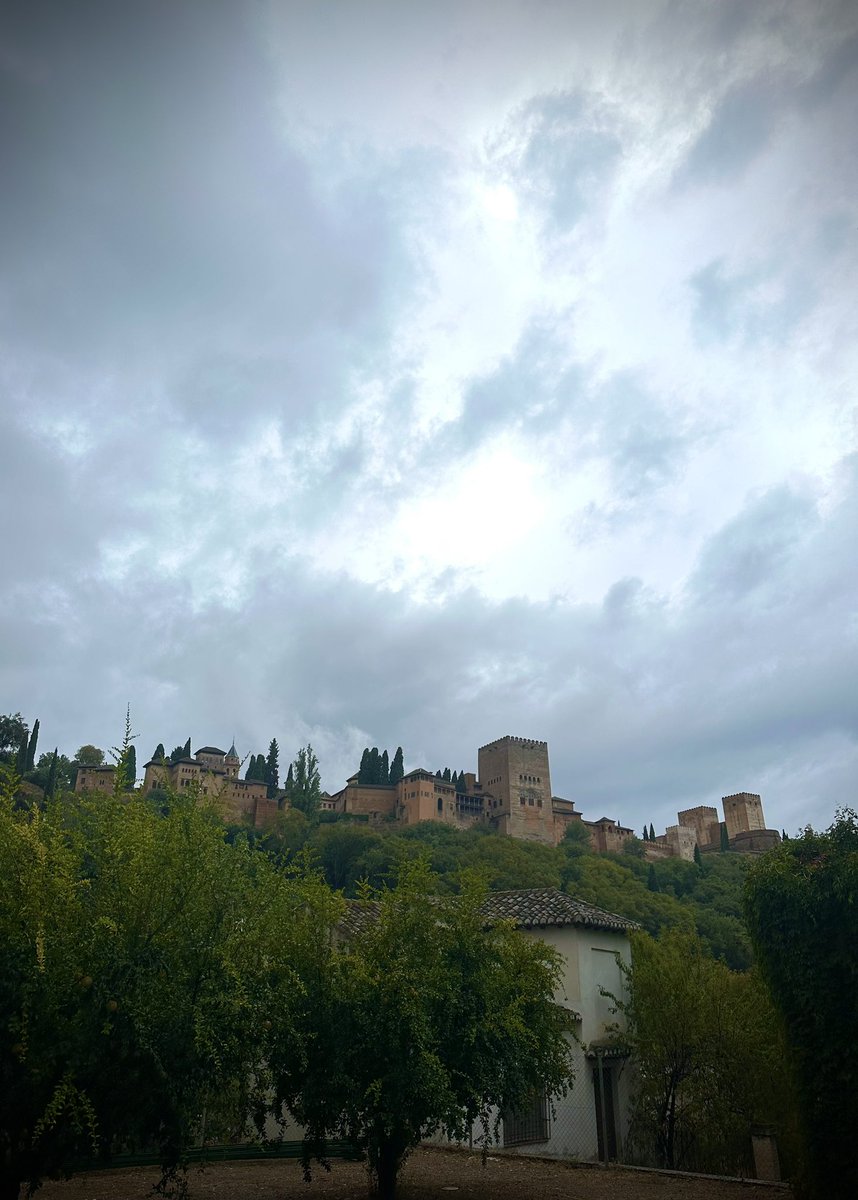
[509, 740]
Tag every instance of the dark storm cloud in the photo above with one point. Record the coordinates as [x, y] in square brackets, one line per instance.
[647, 706]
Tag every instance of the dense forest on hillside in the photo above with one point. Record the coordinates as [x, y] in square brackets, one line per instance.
[660, 895]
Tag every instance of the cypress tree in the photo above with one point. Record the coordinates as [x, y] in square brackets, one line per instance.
[651, 879]
[446, 775]
[130, 771]
[437, 774]
[250, 773]
[384, 769]
[160, 753]
[725, 837]
[460, 784]
[186, 749]
[272, 769]
[289, 785]
[397, 769]
[363, 772]
[374, 766]
[50, 786]
[697, 857]
[646, 834]
[21, 759]
[31, 747]
[651, 832]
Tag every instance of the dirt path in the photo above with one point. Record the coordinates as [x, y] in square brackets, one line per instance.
[429, 1175]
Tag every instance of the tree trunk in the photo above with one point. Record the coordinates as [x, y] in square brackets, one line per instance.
[387, 1168]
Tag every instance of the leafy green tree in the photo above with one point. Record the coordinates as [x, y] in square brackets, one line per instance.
[89, 756]
[13, 732]
[802, 907]
[272, 769]
[65, 772]
[306, 786]
[31, 747]
[425, 1019]
[143, 958]
[397, 768]
[177, 753]
[709, 1061]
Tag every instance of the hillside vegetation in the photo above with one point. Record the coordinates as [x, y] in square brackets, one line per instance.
[660, 895]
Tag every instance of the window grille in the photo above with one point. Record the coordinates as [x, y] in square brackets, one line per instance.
[532, 1124]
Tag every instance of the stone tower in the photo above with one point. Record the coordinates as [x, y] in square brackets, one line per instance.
[743, 813]
[515, 772]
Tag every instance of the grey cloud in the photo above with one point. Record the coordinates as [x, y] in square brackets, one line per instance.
[741, 127]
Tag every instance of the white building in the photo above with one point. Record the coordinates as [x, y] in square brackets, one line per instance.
[592, 944]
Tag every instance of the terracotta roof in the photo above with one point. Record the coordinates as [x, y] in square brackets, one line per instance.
[529, 908]
[534, 908]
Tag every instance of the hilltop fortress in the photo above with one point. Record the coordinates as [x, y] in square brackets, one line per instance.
[511, 793]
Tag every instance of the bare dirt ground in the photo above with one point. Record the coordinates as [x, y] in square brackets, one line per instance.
[428, 1175]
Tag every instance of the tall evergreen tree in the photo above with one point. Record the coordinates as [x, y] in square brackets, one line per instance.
[177, 753]
[460, 784]
[725, 837]
[160, 753]
[250, 773]
[51, 785]
[651, 879]
[697, 856]
[31, 746]
[363, 772]
[272, 769]
[374, 765]
[651, 832]
[437, 774]
[186, 750]
[384, 769]
[289, 785]
[129, 768]
[646, 834]
[446, 775]
[397, 769]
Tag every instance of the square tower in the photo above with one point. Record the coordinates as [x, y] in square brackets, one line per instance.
[515, 772]
[743, 813]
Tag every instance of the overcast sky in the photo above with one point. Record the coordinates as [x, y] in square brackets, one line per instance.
[410, 373]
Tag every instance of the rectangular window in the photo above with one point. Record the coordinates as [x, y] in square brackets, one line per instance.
[530, 1126]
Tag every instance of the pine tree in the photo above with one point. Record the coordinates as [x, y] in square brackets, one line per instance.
[397, 769]
[159, 754]
[186, 749]
[384, 769]
[363, 772]
[651, 832]
[31, 746]
[272, 769]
